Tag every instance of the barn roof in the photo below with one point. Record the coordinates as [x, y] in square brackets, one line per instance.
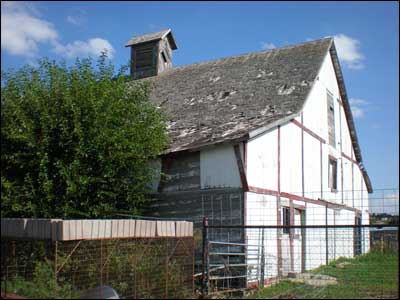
[153, 37]
[226, 100]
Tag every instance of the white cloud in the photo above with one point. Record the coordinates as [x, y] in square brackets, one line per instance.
[354, 101]
[73, 20]
[267, 46]
[357, 112]
[348, 50]
[77, 19]
[22, 32]
[358, 107]
[91, 47]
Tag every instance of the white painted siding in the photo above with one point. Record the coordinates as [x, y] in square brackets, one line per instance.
[315, 112]
[365, 233]
[344, 236]
[315, 118]
[261, 210]
[315, 237]
[262, 161]
[291, 159]
[218, 168]
[312, 167]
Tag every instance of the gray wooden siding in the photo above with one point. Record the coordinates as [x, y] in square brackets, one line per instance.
[181, 172]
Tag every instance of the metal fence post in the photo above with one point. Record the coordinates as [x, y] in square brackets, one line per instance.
[205, 279]
[262, 259]
[326, 236]
[55, 268]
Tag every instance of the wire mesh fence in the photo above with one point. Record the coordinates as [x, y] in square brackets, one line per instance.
[145, 268]
[290, 245]
[289, 248]
[307, 261]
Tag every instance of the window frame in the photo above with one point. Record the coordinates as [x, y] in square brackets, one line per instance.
[331, 118]
[286, 219]
[332, 167]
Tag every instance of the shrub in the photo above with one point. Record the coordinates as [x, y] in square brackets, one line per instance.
[76, 141]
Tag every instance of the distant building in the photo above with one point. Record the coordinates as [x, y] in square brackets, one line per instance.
[265, 138]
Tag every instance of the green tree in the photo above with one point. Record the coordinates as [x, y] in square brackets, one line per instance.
[76, 141]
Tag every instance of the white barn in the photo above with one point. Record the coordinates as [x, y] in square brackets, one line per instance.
[265, 138]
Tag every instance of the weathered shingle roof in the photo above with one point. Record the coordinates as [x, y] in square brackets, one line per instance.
[225, 99]
[153, 37]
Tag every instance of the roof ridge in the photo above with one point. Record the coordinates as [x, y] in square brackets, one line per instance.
[243, 55]
[154, 35]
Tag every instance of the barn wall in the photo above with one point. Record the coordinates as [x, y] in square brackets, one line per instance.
[220, 206]
[315, 238]
[344, 236]
[312, 167]
[315, 118]
[262, 161]
[283, 147]
[365, 233]
[218, 167]
[262, 210]
[181, 172]
[290, 159]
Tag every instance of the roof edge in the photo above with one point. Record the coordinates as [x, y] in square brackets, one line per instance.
[261, 130]
[349, 116]
[188, 148]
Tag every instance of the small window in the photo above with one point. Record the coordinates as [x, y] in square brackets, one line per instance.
[164, 57]
[332, 176]
[286, 219]
[331, 119]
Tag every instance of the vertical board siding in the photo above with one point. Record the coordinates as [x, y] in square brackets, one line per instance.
[218, 167]
[182, 172]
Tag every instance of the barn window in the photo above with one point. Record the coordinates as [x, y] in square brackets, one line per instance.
[286, 219]
[332, 176]
[164, 57]
[331, 119]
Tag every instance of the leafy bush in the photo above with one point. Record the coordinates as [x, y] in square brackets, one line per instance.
[42, 286]
[76, 141]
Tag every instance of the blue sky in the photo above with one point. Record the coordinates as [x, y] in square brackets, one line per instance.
[366, 34]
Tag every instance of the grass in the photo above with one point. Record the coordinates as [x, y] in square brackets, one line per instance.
[374, 275]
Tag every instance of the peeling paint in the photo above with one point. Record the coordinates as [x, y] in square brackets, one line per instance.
[285, 90]
[215, 79]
